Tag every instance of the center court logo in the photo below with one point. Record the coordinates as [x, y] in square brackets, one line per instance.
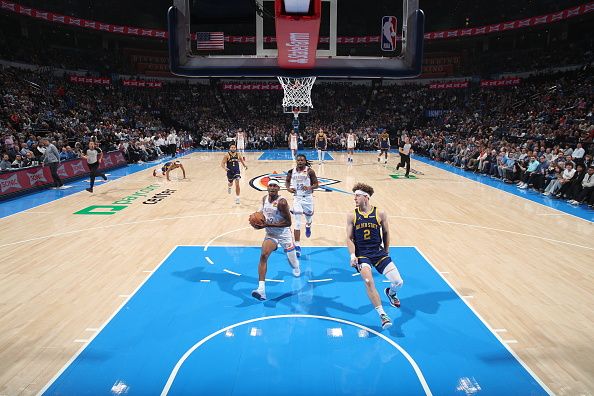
[260, 183]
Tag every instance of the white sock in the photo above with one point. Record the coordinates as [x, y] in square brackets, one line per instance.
[261, 285]
[297, 243]
[380, 310]
[293, 260]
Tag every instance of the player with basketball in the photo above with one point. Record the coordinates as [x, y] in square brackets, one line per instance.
[383, 146]
[275, 217]
[230, 163]
[368, 241]
[293, 143]
[351, 143]
[301, 181]
[167, 168]
[240, 140]
[321, 143]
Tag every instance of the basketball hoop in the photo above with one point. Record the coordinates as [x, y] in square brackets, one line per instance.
[297, 91]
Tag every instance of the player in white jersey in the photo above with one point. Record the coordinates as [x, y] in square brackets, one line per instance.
[293, 138]
[351, 143]
[240, 142]
[301, 182]
[278, 232]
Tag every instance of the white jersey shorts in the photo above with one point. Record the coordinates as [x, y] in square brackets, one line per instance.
[281, 236]
[303, 205]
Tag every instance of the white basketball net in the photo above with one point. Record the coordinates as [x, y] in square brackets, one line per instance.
[297, 91]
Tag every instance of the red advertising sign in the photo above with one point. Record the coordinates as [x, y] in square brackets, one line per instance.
[504, 82]
[90, 80]
[251, 86]
[297, 36]
[23, 180]
[142, 83]
[449, 85]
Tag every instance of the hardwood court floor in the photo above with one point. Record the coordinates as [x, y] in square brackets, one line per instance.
[526, 269]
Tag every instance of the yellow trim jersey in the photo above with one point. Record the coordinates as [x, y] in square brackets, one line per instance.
[367, 236]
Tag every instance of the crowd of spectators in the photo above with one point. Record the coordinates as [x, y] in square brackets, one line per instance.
[538, 135]
[496, 131]
[38, 104]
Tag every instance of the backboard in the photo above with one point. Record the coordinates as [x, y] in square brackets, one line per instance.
[331, 61]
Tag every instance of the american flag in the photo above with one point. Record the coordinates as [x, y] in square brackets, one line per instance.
[210, 40]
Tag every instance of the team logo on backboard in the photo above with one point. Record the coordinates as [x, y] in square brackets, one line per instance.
[260, 183]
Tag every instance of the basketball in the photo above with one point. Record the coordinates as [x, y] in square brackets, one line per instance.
[257, 220]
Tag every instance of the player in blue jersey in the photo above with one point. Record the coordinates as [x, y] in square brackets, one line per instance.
[368, 241]
[230, 163]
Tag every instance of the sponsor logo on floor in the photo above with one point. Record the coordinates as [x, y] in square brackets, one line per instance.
[120, 204]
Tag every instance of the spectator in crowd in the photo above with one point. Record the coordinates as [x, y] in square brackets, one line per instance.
[586, 193]
[5, 164]
[51, 158]
[561, 179]
[18, 162]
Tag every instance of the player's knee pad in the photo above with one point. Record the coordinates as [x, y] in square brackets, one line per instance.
[297, 222]
[393, 275]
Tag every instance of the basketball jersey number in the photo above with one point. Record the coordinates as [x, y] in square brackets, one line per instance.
[366, 234]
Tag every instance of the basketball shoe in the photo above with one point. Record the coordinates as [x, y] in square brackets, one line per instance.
[259, 294]
[392, 298]
[386, 321]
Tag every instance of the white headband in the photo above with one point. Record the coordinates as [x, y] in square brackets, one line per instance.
[361, 192]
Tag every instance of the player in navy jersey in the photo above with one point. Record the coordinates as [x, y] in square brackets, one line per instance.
[230, 163]
[321, 143]
[383, 143]
[368, 241]
[167, 168]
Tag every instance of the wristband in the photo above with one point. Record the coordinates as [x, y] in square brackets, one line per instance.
[353, 257]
